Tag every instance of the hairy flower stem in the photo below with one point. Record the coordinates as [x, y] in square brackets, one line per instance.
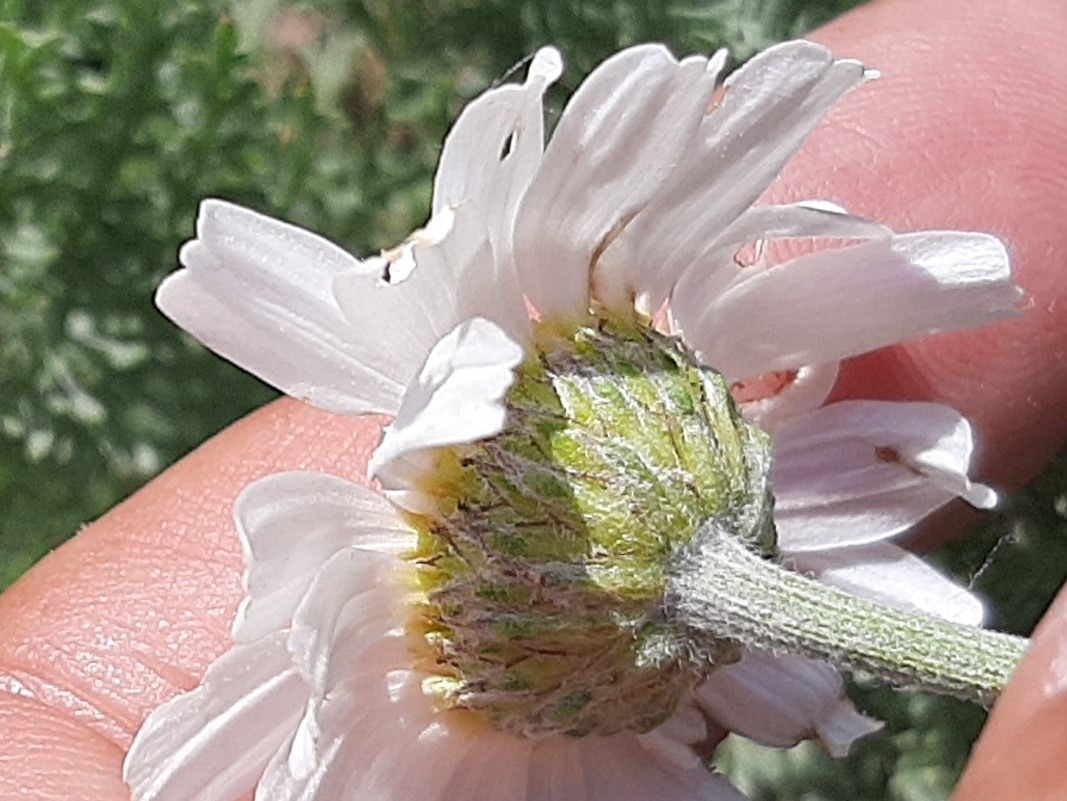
[722, 590]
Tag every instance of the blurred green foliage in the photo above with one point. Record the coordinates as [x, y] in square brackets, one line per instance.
[117, 116]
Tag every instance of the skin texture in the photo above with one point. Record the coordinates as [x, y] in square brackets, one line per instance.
[965, 131]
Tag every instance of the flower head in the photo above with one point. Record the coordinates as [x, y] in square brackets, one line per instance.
[493, 625]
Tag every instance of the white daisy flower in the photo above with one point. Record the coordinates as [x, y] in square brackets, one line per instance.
[494, 625]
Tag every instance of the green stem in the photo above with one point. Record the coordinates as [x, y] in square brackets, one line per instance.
[721, 590]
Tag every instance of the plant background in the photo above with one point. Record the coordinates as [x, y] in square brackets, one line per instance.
[117, 116]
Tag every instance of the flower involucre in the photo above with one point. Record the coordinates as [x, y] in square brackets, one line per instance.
[495, 624]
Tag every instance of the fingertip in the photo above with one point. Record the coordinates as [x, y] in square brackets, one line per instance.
[964, 131]
[1020, 752]
[49, 756]
[133, 609]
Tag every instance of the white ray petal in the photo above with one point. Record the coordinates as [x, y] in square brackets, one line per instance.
[342, 755]
[856, 472]
[371, 638]
[890, 575]
[409, 304]
[449, 274]
[290, 524]
[257, 291]
[431, 755]
[675, 737]
[838, 303]
[767, 109]
[616, 143]
[213, 743]
[494, 149]
[805, 392]
[457, 398]
[381, 737]
[556, 772]
[352, 604]
[780, 701]
[488, 286]
[498, 768]
[619, 768]
[716, 266]
[809, 219]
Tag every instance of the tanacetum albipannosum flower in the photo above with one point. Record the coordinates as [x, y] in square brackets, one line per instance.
[587, 556]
